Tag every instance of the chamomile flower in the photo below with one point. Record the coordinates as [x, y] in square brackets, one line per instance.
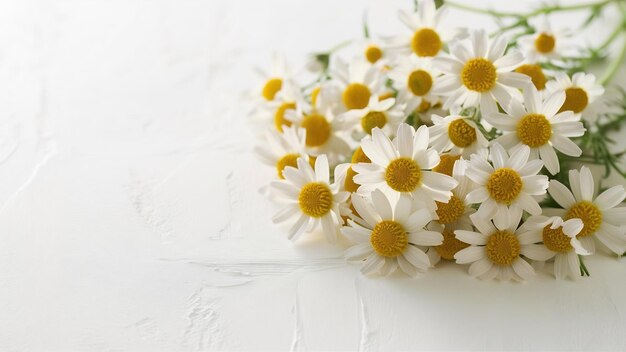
[581, 93]
[310, 198]
[456, 134]
[373, 51]
[403, 166]
[272, 81]
[387, 238]
[384, 114]
[283, 149]
[538, 124]
[414, 78]
[274, 112]
[428, 34]
[495, 251]
[324, 132]
[559, 242]
[603, 220]
[545, 44]
[480, 75]
[357, 81]
[536, 74]
[344, 177]
[507, 185]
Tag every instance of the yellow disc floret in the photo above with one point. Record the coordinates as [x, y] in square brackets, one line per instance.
[555, 240]
[373, 53]
[315, 199]
[271, 87]
[420, 82]
[451, 211]
[373, 119]
[504, 185]
[590, 215]
[349, 185]
[356, 96]
[389, 238]
[359, 156]
[317, 130]
[446, 164]
[576, 100]
[450, 246]
[461, 133]
[426, 42]
[534, 130]
[403, 175]
[535, 73]
[544, 43]
[279, 116]
[286, 160]
[479, 75]
[503, 248]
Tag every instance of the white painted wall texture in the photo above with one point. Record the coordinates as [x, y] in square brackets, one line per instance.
[130, 217]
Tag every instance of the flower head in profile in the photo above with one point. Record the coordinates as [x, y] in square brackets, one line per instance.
[539, 125]
[581, 94]
[478, 73]
[559, 242]
[507, 185]
[495, 251]
[387, 235]
[604, 222]
[403, 167]
[272, 81]
[309, 198]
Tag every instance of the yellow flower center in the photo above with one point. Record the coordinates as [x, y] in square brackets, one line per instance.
[271, 87]
[446, 164]
[386, 95]
[451, 211]
[479, 75]
[555, 240]
[389, 238]
[420, 82]
[545, 43]
[576, 100]
[504, 185]
[373, 53]
[403, 175]
[535, 73]
[360, 157]
[503, 248]
[423, 107]
[314, 94]
[450, 246]
[287, 160]
[356, 96]
[534, 130]
[590, 215]
[349, 184]
[461, 133]
[315, 199]
[317, 130]
[373, 119]
[279, 116]
[426, 42]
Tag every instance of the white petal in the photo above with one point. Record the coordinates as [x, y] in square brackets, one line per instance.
[470, 254]
[523, 269]
[470, 237]
[372, 264]
[480, 267]
[611, 197]
[358, 252]
[537, 252]
[586, 184]
[561, 194]
[417, 257]
[382, 205]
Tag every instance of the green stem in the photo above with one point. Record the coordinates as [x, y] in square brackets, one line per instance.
[583, 269]
[614, 66]
[543, 10]
[611, 38]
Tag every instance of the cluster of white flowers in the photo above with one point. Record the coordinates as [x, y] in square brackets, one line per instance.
[474, 183]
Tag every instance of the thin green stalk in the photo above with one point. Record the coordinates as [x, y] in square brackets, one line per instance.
[543, 10]
[614, 66]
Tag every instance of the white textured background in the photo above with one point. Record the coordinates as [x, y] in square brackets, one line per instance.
[130, 218]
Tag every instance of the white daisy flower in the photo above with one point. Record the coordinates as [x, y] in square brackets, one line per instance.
[324, 132]
[311, 199]
[388, 238]
[481, 75]
[384, 114]
[507, 185]
[414, 78]
[543, 45]
[283, 149]
[357, 82]
[581, 93]
[537, 124]
[456, 134]
[373, 51]
[495, 251]
[603, 221]
[403, 166]
[536, 74]
[272, 81]
[429, 35]
[275, 112]
[559, 242]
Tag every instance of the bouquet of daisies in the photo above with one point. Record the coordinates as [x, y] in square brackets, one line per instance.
[450, 144]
